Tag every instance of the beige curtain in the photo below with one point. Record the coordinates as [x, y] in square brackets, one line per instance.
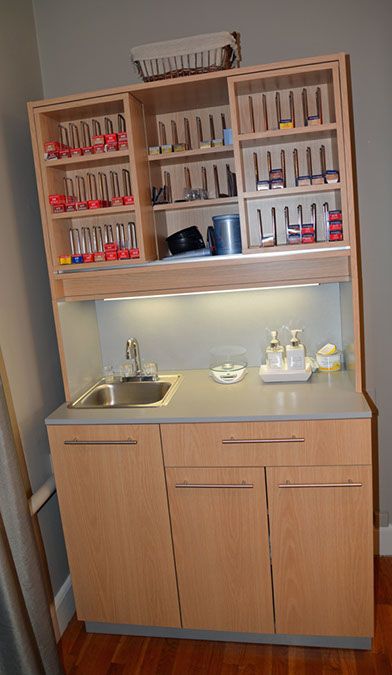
[27, 641]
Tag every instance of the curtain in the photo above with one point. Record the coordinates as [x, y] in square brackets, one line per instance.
[27, 641]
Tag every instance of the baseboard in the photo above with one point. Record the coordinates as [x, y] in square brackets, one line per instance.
[386, 540]
[64, 607]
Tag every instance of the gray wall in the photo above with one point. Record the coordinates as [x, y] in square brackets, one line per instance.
[178, 333]
[27, 335]
[71, 62]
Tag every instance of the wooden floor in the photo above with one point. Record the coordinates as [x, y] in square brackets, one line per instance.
[91, 654]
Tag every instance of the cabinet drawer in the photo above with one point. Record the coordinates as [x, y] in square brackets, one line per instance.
[103, 434]
[268, 443]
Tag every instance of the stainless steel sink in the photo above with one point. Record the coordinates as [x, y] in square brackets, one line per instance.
[129, 394]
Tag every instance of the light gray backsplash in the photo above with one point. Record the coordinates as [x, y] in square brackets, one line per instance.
[178, 332]
[81, 346]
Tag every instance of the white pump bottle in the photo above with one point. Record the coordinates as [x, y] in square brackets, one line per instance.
[295, 352]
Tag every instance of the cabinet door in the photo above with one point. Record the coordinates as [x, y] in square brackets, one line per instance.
[220, 532]
[114, 509]
[322, 549]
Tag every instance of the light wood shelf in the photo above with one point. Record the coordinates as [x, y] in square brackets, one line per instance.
[82, 268]
[92, 213]
[283, 192]
[316, 250]
[85, 161]
[196, 204]
[296, 134]
[192, 155]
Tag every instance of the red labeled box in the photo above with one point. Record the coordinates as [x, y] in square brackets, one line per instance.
[99, 256]
[335, 215]
[128, 200]
[56, 199]
[51, 150]
[76, 152]
[335, 236]
[308, 238]
[122, 137]
[64, 152]
[81, 206]
[116, 201]
[112, 146]
[134, 253]
[58, 208]
[110, 247]
[123, 254]
[88, 257]
[94, 204]
[111, 255]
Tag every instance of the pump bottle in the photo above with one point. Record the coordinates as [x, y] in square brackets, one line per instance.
[295, 352]
[275, 353]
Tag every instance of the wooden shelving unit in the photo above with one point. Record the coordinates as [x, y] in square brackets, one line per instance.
[222, 97]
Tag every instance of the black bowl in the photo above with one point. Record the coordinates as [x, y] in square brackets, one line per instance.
[189, 239]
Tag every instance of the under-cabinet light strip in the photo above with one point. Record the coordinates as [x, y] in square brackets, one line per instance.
[226, 290]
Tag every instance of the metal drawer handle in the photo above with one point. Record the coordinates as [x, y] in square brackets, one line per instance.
[233, 441]
[76, 441]
[349, 483]
[242, 485]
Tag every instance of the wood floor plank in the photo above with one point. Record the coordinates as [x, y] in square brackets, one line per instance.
[96, 658]
[384, 581]
[91, 654]
[305, 661]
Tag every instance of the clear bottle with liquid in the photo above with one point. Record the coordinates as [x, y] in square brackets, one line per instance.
[295, 352]
[275, 353]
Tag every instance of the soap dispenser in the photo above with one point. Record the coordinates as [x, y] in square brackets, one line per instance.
[275, 353]
[295, 352]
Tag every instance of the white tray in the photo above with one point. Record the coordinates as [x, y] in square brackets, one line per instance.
[270, 375]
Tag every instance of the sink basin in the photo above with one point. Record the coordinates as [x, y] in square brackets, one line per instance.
[129, 394]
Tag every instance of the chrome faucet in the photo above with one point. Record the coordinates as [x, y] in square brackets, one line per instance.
[132, 351]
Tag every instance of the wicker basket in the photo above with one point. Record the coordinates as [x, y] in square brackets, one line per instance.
[165, 60]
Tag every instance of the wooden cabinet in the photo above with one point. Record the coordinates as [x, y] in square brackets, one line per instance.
[220, 533]
[318, 528]
[322, 549]
[278, 540]
[113, 504]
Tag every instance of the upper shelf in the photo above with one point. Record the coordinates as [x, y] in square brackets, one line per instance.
[93, 213]
[87, 161]
[196, 204]
[284, 192]
[296, 134]
[192, 155]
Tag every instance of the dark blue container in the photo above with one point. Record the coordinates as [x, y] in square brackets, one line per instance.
[227, 234]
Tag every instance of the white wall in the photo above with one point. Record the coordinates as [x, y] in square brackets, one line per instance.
[27, 335]
[92, 51]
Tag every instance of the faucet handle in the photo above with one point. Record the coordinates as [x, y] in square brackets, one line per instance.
[150, 369]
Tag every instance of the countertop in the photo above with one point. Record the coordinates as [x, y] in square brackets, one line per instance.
[200, 399]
